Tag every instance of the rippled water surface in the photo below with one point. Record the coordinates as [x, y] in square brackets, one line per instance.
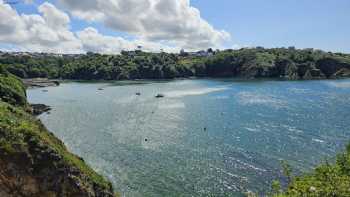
[218, 137]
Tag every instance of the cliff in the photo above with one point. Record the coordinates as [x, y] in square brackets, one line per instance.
[33, 162]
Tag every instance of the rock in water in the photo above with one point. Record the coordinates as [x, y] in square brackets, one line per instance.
[38, 109]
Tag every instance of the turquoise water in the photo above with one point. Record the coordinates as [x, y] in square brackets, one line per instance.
[218, 137]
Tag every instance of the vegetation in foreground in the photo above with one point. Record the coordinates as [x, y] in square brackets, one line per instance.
[327, 180]
[33, 162]
[284, 63]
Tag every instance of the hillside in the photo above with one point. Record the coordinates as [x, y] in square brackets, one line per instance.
[33, 162]
[282, 63]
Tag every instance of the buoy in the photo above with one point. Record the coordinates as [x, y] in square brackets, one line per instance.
[146, 140]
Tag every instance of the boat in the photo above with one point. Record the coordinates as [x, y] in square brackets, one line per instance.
[160, 96]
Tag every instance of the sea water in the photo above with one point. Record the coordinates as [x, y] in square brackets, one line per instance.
[205, 137]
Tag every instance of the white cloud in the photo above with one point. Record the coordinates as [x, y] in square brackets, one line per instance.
[49, 32]
[46, 32]
[92, 40]
[54, 18]
[173, 26]
[172, 21]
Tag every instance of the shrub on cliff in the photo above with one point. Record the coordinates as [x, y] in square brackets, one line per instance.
[40, 162]
[11, 89]
[325, 181]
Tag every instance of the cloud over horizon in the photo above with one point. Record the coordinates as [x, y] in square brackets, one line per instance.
[154, 24]
[47, 32]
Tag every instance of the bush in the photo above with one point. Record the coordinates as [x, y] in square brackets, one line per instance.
[327, 180]
[12, 89]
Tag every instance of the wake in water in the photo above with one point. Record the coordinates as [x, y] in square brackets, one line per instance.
[339, 84]
[193, 92]
[256, 98]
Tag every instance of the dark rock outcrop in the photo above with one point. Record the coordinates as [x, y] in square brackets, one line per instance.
[287, 69]
[38, 109]
[313, 74]
[342, 73]
[39, 171]
[329, 66]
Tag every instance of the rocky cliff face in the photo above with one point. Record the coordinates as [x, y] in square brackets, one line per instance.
[33, 162]
[288, 64]
[37, 170]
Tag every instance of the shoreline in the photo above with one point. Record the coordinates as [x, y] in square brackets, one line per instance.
[45, 82]
[40, 82]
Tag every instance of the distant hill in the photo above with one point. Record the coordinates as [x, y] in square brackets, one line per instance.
[249, 63]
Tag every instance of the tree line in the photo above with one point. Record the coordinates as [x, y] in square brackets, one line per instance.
[286, 63]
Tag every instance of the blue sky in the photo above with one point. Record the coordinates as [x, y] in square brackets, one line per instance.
[269, 23]
[323, 24]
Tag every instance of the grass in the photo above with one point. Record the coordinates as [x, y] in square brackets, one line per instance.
[16, 126]
[12, 89]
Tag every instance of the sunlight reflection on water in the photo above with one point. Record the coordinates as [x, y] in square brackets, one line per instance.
[204, 137]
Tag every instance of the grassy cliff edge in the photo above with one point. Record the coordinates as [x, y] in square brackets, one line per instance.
[33, 162]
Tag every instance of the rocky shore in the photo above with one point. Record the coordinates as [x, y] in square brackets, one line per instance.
[38, 109]
[40, 82]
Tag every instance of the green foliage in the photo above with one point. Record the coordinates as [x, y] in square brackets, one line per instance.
[326, 180]
[276, 187]
[12, 89]
[19, 128]
[287, 170]
[248, 63]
